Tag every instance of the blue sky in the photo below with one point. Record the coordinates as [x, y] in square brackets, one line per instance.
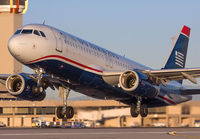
[140, 30]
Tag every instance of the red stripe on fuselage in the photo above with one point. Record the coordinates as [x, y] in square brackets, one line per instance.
[66, 59]
[84, 66]
[166, 99]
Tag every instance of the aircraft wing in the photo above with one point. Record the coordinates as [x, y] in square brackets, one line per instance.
[52, 82]
[3, 78]
[166, 75]
[157, 76]
[112, 77]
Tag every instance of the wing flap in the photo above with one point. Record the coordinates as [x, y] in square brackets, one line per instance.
[157, 76]
[173, 74]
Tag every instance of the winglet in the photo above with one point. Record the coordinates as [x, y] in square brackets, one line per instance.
[186, 31]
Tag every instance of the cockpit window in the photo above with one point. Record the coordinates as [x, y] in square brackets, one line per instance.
[17, 32]
[42, 33]
[36, 32]
[27, 31]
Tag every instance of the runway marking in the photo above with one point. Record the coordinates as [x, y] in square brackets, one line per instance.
[181, 132]
[82, 133]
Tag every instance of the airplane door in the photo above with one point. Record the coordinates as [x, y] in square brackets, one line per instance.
[59, 41]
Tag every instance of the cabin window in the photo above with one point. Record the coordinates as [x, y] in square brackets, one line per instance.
[27, 31]
[42, 33]
[36, 32]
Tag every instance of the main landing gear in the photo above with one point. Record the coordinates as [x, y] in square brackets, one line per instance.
[65, 111]
[139, 108]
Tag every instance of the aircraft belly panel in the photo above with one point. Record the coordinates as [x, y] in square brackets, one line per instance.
[91, 84]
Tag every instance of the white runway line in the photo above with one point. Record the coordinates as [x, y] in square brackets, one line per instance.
[94, 133]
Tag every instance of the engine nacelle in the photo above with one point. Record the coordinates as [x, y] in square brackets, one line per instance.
[21, 86]
[136, 84]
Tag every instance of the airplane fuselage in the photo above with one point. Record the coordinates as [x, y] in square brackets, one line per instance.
[82, 64]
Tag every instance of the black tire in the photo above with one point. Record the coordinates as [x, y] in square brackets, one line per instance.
[143, 110]
[69, 112]
[59, 112]
[133, 110]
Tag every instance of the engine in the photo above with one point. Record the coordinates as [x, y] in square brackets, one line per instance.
[23, 87]
[137, 84]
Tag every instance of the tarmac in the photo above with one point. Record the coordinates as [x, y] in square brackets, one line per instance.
[99, 133]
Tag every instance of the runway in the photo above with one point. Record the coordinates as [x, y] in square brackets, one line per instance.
[99, 133]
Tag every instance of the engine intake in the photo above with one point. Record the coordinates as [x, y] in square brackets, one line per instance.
[129, 80]
[137, 84]
[15, 84]
[21, 86]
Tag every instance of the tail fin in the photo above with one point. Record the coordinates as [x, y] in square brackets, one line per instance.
[178, 54]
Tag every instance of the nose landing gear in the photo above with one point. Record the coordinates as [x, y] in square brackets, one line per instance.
[65, 111]
[42, 84]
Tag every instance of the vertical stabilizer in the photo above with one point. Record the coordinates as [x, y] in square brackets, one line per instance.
[178, 54]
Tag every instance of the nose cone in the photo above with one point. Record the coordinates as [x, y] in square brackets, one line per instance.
[14, 46]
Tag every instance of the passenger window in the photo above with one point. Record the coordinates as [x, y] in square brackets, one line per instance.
[42, 33]
[27, 31]
[17, 32]
[36, 32]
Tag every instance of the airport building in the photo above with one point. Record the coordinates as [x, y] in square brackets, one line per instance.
[98, 113]
[11, 17]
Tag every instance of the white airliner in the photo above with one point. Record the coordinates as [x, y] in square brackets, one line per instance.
[66, 62]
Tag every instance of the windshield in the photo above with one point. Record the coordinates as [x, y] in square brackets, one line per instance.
[27, 31]
[36, 32]
[30, 31]
[17, 32]
[42, 33]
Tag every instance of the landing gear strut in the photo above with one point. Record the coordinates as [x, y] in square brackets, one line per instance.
[139, 108]
[40, 86]
[65, 111]
[143, 110]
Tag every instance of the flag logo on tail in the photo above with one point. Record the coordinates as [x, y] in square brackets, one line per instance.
[179, 59]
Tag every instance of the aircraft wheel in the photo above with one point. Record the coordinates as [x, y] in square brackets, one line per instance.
[133, 110]
[69, 112]
[143, 110]
[60, 114]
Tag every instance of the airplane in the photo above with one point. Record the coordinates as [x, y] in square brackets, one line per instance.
[65, 62]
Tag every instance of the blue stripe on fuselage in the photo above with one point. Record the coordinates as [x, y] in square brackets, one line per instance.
[91, 84]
